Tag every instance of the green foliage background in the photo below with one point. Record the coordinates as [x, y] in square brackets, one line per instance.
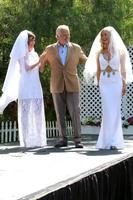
[84, 17]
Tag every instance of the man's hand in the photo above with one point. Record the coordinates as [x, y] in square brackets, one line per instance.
[42, 56]
[123, 88]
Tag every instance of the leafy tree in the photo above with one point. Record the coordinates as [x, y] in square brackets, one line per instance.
[84, 17]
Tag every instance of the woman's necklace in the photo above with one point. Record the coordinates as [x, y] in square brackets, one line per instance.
[107, 57]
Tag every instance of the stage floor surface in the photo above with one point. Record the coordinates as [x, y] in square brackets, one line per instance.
[32, 173]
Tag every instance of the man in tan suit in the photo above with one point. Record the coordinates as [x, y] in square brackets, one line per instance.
[63, 58]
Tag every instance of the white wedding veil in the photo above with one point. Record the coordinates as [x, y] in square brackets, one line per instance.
[116, 45]
[11, 83]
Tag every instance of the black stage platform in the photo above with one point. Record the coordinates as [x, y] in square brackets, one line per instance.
[66, 174]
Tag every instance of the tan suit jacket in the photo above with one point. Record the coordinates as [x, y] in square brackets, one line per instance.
[64, 76]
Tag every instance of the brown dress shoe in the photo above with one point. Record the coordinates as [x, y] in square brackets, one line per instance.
[78, 145]
[61, 144]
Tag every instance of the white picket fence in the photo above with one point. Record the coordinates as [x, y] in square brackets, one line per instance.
[9, 131]
[52, 129]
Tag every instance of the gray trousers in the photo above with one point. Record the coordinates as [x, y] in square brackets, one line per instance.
[69, 100]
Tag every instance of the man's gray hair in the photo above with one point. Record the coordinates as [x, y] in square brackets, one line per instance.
[62, 27]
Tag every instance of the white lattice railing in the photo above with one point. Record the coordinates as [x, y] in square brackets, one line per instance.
[90, 100]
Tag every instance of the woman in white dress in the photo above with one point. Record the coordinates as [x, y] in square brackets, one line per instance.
[111, 65]
[22, 82]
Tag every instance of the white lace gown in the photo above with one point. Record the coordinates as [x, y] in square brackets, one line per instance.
[31, 117]
[111, 92]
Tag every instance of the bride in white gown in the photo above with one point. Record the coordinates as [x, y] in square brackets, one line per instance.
[22, 82]
[109, 61]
